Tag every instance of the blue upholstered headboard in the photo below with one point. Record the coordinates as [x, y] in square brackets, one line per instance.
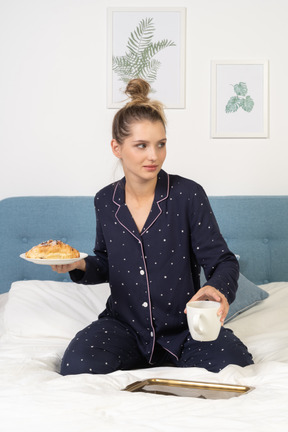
[255, 227]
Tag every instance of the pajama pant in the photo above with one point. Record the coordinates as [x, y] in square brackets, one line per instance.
[108, 345]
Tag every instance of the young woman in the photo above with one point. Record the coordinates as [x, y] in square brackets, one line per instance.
[154, 232]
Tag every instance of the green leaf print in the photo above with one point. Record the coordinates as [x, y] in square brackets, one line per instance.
[139, 61]
[240, 89]
[248, 104]
[233, 104]
[239, 101]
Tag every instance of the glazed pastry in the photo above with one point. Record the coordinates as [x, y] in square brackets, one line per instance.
[52, 249]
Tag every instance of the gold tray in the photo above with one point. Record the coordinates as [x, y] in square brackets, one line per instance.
[204, 390]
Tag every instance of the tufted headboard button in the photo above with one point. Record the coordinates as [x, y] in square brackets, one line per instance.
[265, 240]
[24, 240]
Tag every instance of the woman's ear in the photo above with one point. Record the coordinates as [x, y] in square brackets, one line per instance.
[116, 148]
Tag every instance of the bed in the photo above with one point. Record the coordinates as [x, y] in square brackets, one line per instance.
[40, 311]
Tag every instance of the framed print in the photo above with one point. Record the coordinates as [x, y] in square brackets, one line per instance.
[239, 99]
[147, 43]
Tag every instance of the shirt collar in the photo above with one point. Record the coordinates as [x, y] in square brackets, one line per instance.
[123, 214]
[161, 191]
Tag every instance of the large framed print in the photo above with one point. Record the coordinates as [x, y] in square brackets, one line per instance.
[148, 43]
[239, 99]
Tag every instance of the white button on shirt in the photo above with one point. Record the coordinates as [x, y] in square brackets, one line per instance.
[145, 304]
[142, 272]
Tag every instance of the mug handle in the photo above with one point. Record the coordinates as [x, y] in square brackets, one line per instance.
[197, 324]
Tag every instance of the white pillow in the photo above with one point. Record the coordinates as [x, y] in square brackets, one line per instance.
[52, 309]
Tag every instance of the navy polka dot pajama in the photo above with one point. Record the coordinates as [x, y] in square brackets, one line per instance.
[152, 275]
[107, 345]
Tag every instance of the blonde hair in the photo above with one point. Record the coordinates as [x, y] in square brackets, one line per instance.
[139, 108]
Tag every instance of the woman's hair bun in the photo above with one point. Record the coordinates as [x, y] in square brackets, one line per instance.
[138, 89]
[139, 108]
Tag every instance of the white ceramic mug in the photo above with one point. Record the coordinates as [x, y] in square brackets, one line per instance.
[203, 322]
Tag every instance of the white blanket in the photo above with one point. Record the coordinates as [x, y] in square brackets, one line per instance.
[35, 398]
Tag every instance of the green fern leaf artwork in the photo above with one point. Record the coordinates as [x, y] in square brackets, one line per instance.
[240, 100]
[140, 59]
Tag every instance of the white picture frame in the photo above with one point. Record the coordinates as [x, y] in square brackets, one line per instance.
[164, 31]
[239, 106]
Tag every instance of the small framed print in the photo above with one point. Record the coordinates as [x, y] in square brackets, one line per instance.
[147, 43]
[239, 99]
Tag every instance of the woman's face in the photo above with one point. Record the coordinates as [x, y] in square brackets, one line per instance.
[143, 152]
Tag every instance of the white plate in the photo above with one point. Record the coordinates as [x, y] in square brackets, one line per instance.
[54, 261]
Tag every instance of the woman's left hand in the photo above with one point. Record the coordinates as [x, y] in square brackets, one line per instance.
[210, 293]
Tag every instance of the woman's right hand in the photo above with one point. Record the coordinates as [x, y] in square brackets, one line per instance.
[65, 268]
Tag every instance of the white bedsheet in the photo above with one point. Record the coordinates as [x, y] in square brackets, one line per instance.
[34, 397]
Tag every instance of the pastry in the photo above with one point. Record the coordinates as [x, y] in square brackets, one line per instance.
[52, 249]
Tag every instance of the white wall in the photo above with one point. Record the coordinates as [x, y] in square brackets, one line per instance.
[54, 124]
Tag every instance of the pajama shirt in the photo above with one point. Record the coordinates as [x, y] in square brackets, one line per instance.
[152, 275]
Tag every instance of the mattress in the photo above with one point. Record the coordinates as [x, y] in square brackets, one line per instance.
[35, 397]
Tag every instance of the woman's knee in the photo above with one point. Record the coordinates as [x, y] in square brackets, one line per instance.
[103, 347]
[96, 361]
[235, 351]
[216, 355]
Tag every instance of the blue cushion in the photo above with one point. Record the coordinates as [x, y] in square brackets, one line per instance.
[247, 296]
